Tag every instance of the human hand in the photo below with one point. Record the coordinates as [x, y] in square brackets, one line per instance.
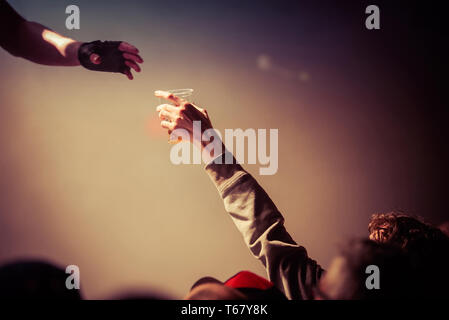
[181, 114]
[110, 56]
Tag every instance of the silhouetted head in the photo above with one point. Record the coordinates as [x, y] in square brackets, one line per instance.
[350, 271]
[244, 285]
[417, 271]
[444, 227]
[34, 280]
[141, 294]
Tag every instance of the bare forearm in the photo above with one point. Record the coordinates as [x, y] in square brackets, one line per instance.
[35, 42]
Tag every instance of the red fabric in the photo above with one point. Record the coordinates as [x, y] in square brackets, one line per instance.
[246, 279]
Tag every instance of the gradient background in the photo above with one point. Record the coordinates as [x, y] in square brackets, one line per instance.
[85, 176]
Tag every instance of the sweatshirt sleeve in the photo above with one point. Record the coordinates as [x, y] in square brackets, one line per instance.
[262, 226]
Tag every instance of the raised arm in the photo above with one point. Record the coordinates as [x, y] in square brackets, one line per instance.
[254, 214]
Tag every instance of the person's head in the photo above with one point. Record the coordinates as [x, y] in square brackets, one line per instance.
[347, 275]
[34, 280]
[214, 291]
[139, 295]
[444, 227]
[244, 285]
[401, 229]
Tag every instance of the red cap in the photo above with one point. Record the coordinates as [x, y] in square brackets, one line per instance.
[246, 279]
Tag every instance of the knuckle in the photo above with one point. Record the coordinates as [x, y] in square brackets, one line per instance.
[184, 106]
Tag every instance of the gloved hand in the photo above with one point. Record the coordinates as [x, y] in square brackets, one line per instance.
[110, 56]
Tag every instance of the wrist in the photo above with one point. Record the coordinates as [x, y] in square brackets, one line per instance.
[72, 52]
[212, 149]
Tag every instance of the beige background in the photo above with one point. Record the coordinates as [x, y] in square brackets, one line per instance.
[85, 175]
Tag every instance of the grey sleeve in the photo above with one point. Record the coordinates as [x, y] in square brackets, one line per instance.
[262, 226]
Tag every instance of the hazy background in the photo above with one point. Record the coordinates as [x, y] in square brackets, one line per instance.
[85, 175]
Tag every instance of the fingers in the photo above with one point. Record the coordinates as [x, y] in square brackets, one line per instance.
[170, 97]
[132, 61]
[132, 65]
[165, 115]
[173, 115]
[182, 116]
[128, 73]
[133, 57]
[169, 113]
[167, 107]
[125, 46]
[185, 111]
[168, 125]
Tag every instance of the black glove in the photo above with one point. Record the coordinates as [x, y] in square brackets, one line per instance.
[111, 58]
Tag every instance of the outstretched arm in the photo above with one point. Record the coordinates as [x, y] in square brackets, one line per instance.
[254, 214]
[37, 43]
[34, 42]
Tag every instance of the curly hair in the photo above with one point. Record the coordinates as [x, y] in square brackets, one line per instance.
[424, 246]
[401, 229]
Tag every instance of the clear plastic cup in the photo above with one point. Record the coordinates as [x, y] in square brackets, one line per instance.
[182, 93]
[186, 94]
